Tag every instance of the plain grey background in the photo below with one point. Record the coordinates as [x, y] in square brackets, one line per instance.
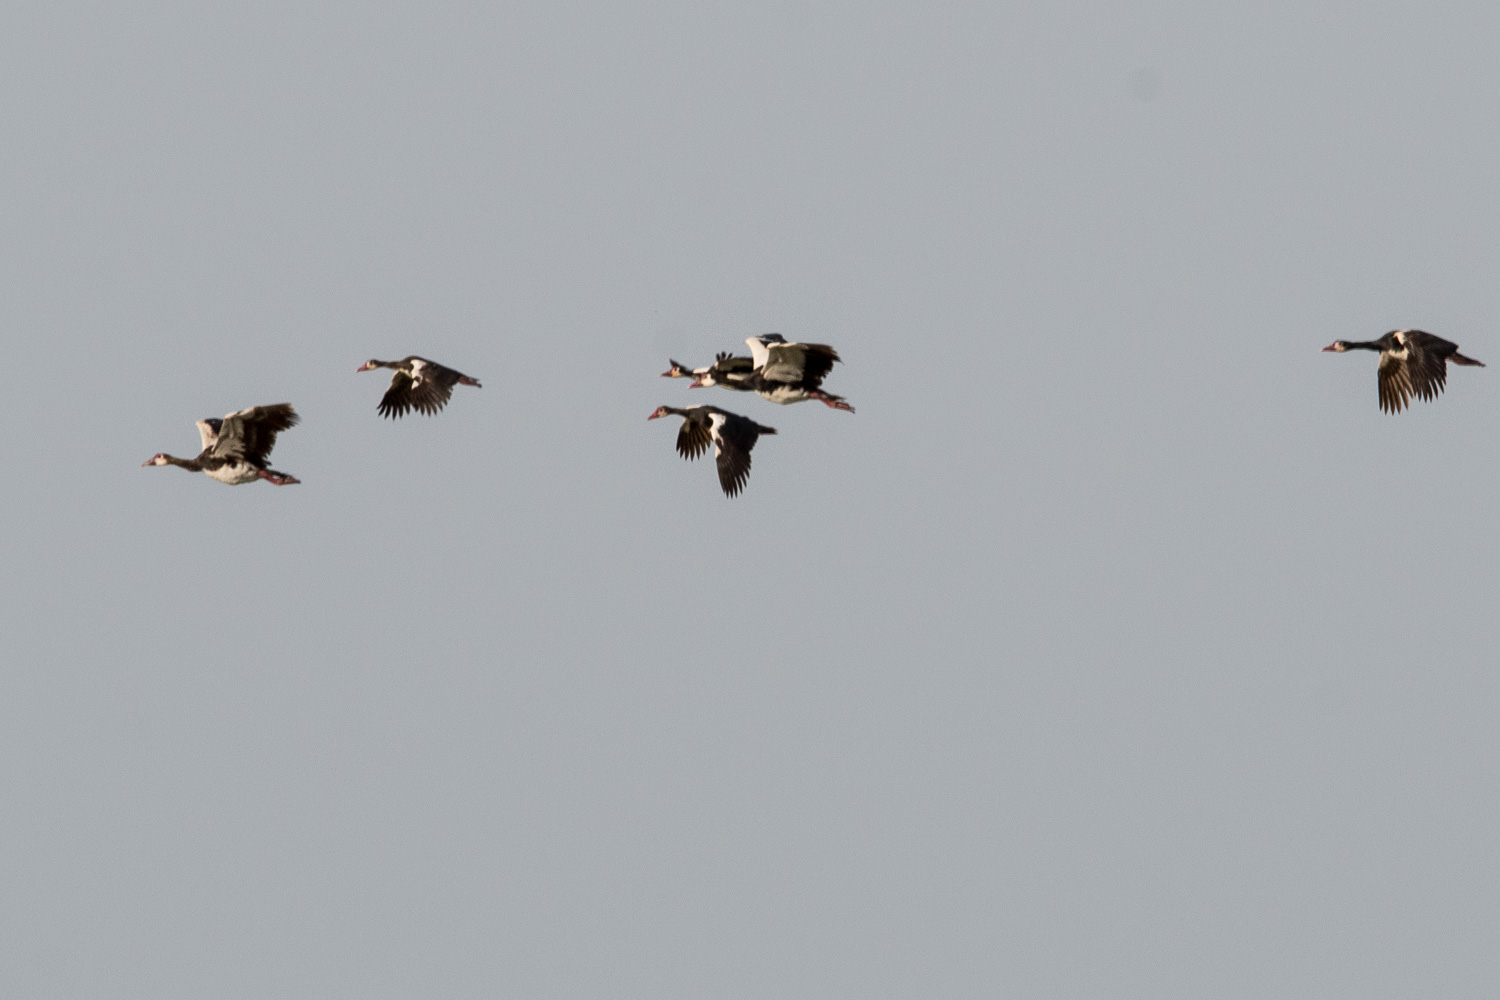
[1118, 645]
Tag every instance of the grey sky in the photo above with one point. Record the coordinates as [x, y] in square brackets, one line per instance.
[1118, 646]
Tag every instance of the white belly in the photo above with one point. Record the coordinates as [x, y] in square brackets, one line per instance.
[784, 394]
[235, 474]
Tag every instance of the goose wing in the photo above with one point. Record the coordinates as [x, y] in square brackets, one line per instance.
[1395, 380]
[249, 435]
[801, 364]
[758, 351]
[694, 437]
[431, 385]
[1427, 362]
[208, 430]
[731, 372]
[729, 364]
[734, 436]
[397, 399]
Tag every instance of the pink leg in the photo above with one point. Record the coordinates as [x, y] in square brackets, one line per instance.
[277, 478]
[829, 401]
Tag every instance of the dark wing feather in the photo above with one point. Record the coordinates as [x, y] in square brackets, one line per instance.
[431, 393]
[693, 439]
[725, 363]
[1427, 363]
[251, 434]
[432, 385]
[732, 372]
[798, 364]
[819, 361]
[733, 440]
[397, 399]
[1395, 383]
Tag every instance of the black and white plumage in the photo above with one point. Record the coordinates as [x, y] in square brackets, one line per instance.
[789, 372]
[417, 384]
[1413, 365]
[777, 370]
[732, 436]
[730, 371]
[236, 448]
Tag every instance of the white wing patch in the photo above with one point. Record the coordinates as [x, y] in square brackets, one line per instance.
[716, 424]
[208, 434]
[758, 352]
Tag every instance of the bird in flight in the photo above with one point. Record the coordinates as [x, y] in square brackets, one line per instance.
[777, 370]
[236, 448]
[732, 436]
[417, 384]
[1413, 365]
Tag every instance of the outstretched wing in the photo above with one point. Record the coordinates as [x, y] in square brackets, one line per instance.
[208, 430]
[429, 395]
[734, 436]
[693, 439]
[1395, 381]
[250, 435]
[397, 399]
[801, 364]
[757, 346]
[726, 364]
[431, 385]
[1427, 362]
[731, 372]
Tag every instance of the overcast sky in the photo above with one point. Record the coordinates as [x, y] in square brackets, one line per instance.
[1118, 645]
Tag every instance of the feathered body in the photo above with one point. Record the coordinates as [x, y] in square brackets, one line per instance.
[778, 370]
[732, 436]
[1413, 365]
[419, 384]
[237, 446]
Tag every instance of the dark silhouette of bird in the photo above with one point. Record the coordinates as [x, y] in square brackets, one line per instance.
[1413, 365]
[418, 384]
[732, 436]
[236, 448]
